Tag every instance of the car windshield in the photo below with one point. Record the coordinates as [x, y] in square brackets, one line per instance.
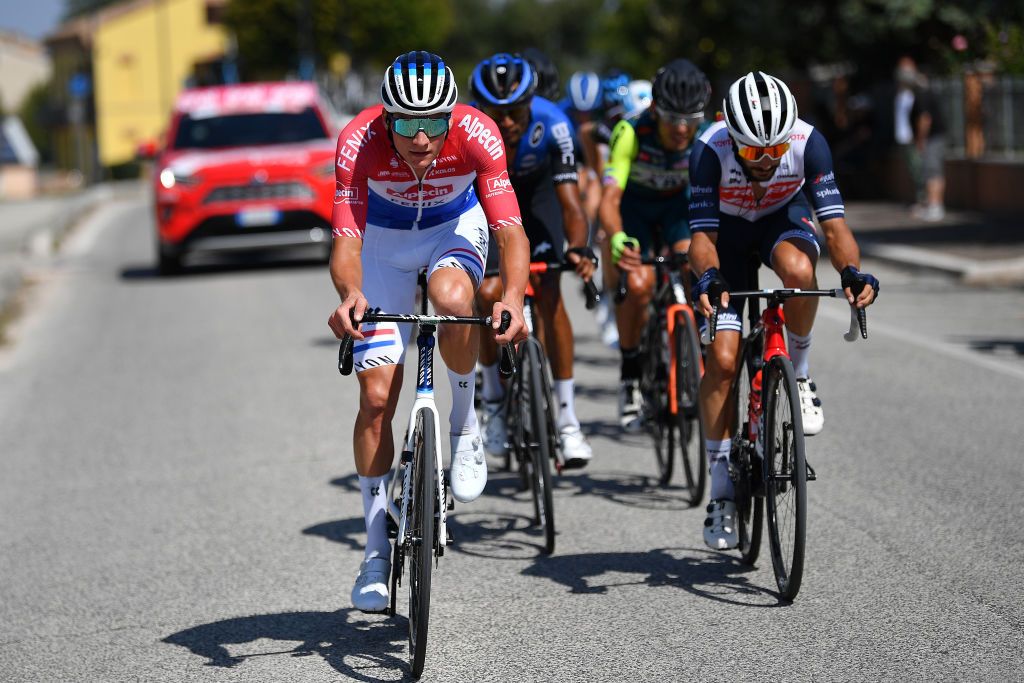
[246, 130]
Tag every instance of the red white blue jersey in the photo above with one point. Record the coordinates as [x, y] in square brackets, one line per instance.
[718, 183]
[376, 186]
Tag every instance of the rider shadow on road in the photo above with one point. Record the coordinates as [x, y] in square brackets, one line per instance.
[360, 647]
[706, 574]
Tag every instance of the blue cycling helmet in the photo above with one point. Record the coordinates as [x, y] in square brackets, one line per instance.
[418, 84]
[503, 80]
[614, 88]
[584, 91]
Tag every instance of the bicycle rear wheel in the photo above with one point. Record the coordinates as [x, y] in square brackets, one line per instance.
[687, 426]
[539, 453]
[654, 392]
[786, 480]
[747, 477]
[422, 537]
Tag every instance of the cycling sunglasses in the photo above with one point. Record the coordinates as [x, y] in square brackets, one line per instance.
[515, 113]
[773, 152]
[408, 128]
[676, 119]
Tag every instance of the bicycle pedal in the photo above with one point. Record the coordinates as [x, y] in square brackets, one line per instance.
[450, 539]
[811, 474]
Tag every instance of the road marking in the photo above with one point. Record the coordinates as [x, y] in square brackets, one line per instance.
[1005, 369]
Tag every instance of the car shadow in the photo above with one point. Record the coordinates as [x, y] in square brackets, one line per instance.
[711, 575]
[359, 646]
[224, 264]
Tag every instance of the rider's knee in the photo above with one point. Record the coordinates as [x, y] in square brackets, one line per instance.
[722, 362]
[375, 401]
[454, 297]
[795, 268]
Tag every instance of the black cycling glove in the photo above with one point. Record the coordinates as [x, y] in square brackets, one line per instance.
[711, 283]
[856, 281]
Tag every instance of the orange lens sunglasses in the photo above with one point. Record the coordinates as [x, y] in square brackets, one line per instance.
[758, 153]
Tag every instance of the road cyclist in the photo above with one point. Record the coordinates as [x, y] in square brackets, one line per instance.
[542, 171]
[421, 182]
[749, 175]
[645, 185]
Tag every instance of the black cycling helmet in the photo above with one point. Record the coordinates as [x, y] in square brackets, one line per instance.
[681, 87]
[503, 80]
[547, 74]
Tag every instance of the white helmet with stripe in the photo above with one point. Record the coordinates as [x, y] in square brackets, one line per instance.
[419, 84]
[759, 110]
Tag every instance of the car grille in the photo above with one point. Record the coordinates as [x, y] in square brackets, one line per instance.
[259, 191]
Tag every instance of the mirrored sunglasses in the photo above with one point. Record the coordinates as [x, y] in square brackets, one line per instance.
[773, 152]
[676, 119]
[408, 128]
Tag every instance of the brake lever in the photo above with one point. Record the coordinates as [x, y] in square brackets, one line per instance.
[507, 357]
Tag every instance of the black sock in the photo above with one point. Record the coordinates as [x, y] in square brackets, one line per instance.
[630, 368]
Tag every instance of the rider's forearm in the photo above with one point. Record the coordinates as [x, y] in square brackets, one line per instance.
[573, 218]
[609, 209]
[842, 247]
[514, 247]
[703, 254]
[347, 265]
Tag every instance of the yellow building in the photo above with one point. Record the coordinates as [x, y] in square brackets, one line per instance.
[143, 54]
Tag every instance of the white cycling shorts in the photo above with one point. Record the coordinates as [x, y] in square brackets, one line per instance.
[392, 260]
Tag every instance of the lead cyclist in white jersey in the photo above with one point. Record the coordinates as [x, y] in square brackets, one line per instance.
[748, 176]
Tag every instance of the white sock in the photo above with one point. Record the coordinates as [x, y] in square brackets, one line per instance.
[718, 460]
[491, 389]
[799, 350]
[462, 419]
[375, 511]
[565, 394]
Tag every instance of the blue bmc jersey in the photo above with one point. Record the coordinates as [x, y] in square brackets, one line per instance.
[546, 151]
[719, 186]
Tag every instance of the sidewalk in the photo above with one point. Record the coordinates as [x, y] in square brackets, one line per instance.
[980, 249]
[30, 231]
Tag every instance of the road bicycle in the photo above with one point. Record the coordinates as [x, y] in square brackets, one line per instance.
[419, 499]
[530, 408]
[670, 379]
[768, 462]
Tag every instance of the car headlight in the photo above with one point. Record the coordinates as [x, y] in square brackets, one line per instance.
[168, 179]
[327, 169]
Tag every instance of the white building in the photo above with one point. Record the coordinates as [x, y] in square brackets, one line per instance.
[23, 65]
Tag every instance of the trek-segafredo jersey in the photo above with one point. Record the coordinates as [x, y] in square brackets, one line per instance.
[718, 183]
[376, 186]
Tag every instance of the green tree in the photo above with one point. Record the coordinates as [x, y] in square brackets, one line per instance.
[35, 114]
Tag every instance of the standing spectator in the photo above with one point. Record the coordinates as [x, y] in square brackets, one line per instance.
[907, 77]
[930, 142]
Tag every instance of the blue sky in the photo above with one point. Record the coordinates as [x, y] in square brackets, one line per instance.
[33, 18]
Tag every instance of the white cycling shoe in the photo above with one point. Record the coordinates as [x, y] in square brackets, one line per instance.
[810, 407]
[370, 592]
[469, 468]
[720, 532]
[495, 430]
[629, 406]
[576, 452]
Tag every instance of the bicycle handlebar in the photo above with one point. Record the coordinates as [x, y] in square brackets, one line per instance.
[858, 316]
[538, 267]
[673, 260]
[506, 362]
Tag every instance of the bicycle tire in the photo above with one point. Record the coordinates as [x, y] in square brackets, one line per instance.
[654, 392]
[689, 422]
[786, 480]
[423, 532]
[749, 506]
[540, 451]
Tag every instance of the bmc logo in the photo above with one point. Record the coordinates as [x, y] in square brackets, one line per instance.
[346, 195]
[414, 192]
[499, 184]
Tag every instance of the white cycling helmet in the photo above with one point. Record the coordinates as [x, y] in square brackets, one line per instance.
[637, 99]
[759, 110]
[419, 84]
[585, 90]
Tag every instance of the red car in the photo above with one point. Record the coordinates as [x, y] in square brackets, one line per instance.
[247, 166]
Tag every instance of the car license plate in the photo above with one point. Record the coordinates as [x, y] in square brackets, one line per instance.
[251, 218]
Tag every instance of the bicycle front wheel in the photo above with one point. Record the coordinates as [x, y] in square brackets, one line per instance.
[655, 411]
[540, 450]
[688, 425]
[421, 537]
[786, 476]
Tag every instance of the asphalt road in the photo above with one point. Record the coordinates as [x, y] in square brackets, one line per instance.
[178, 501]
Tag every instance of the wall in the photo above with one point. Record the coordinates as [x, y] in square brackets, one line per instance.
[141, 61]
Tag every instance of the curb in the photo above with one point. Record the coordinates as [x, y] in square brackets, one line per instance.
[1001, 273]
